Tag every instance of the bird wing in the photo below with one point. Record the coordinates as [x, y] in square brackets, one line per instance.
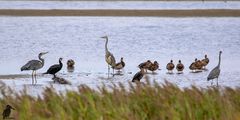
[55, 67]
[111, 60]
[137, 76]
[214, 73]
[118, 65]
[32, 65]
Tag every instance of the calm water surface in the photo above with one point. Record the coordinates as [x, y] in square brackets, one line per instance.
[134, 38]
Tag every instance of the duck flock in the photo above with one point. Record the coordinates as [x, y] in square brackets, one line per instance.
[195, 67]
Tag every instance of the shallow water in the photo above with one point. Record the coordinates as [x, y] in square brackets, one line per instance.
[118, 5]
[137, 39]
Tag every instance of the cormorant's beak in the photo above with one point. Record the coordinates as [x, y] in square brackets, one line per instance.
[45, 53]
[12, 108]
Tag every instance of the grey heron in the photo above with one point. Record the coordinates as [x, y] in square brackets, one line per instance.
[120, 65]
[205, 61]
[55, 68]
[138, 76]
[34, 65]
[109, 58]
[215, 71]
[180, 66]
[154, 66]
[170, 66]
[7, 111]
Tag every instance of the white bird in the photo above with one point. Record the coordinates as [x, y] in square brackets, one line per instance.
[216, 71]
[110, 59]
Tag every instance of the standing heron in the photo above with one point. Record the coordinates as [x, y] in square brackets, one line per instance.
[216, 71]
[55, 68]
[7, 111]
[34, 65]
[110, 59]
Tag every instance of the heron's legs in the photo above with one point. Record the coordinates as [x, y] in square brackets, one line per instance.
[35, 77]
[113, 71]
[217, 81]
[108, 70]
[32, 77]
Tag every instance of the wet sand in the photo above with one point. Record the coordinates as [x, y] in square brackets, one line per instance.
[120, 12]
[17, 76]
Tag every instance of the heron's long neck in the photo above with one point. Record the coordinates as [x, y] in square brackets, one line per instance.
[41, 59]
[219, 61]
[106, 49]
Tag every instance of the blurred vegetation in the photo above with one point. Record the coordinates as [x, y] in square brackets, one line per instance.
[135, 102]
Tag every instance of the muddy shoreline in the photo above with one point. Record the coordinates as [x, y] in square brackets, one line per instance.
[121, 12]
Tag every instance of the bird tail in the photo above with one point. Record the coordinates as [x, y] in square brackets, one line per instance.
[45, 73]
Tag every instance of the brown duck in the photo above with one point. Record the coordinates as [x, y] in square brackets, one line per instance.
[170, 66]
[205, 61]
[199, 65]
[70, 63]
[180, 66]
[193, 65]
[153, 67]
[145, 65]
[120, 65]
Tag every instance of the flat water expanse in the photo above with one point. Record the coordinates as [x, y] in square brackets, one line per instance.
[137, 39]
[118, 5]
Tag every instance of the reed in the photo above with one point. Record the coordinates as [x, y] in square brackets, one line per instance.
[150, 101]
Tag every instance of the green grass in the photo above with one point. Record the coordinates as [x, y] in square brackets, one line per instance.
[138, 102]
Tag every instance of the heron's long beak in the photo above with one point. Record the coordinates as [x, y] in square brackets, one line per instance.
[105, 37]
[12, 108]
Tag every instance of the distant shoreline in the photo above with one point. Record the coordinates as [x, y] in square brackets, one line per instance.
[126, 0]
[123, 12]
